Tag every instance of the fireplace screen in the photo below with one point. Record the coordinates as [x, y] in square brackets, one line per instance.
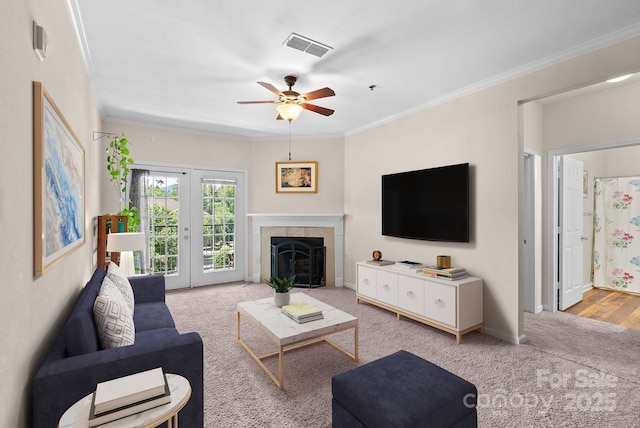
[304, 257]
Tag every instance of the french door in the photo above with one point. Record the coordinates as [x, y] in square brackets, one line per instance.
[218, 227]
[195, 224]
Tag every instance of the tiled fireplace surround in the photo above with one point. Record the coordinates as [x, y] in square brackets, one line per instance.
[327, 226]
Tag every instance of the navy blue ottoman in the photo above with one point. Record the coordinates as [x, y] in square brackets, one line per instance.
[402, 390]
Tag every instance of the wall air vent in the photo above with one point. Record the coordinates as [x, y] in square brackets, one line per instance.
[305, 44]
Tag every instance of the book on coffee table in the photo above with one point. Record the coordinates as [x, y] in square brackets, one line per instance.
[302, 312]
[307, 318]
[302, 309]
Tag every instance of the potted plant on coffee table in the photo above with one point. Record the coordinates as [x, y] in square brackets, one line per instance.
[281, 287]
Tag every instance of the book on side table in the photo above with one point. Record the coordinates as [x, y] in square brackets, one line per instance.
[125, 396]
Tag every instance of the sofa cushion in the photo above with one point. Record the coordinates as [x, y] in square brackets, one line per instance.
[158, 335]
[150, 316]
[80, 330]
[114, 320]
[118, 277]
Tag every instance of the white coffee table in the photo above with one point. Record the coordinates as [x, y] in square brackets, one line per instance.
[288, 335]
[77, 416]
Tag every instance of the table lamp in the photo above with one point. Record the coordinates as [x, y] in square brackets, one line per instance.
[125, 244]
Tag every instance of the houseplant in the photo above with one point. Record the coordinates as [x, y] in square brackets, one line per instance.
[118, 162]
[281, 287]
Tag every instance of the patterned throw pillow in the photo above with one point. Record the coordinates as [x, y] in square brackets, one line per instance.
[114, 320]
[118, 277]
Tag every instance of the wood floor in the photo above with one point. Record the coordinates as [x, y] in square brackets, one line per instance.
[609, 306]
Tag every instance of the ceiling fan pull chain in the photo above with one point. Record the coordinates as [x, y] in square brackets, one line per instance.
[289, 140]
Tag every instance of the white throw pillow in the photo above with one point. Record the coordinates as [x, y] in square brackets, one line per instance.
[114, 320]
[118, 277]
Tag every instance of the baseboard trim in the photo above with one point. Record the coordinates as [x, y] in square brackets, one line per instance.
[349, 285]
[516, 340]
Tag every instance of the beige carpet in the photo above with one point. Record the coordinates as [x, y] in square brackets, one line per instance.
[573, 372]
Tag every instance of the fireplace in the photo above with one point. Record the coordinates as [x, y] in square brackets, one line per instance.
[299, 256]
[328, 226]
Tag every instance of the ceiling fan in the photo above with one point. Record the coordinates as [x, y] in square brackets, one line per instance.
[291, 103]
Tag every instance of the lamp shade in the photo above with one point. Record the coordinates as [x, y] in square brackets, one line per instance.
[128, 241]
[289, 111]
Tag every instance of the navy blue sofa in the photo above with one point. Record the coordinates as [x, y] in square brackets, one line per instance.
[76, 363]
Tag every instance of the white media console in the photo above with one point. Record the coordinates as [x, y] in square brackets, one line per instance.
[454, 306]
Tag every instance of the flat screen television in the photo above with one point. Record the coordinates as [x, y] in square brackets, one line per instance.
[430, 204]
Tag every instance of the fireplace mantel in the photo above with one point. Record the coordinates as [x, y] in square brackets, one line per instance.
[335, 221]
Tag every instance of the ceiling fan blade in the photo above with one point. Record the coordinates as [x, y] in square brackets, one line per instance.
[320, 93]
[257, 102]
[317, 109]
[270, 87]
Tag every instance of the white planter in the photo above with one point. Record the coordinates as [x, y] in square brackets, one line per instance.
[281, 299]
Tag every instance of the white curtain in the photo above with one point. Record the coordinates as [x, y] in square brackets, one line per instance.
[616, 234]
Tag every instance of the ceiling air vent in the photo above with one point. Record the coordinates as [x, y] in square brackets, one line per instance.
[305, 44]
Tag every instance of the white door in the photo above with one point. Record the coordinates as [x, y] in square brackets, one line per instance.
[168, 229]
[218, 227]
[570, 229]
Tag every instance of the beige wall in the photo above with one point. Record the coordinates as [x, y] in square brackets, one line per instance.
[329, 153]
[173, 147]
[482, 128]
[258, 158]
[596, 120]
[32, 309]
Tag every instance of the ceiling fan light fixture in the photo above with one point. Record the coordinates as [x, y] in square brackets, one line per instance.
[289, 111]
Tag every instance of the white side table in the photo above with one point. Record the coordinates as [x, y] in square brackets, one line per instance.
[77, 416]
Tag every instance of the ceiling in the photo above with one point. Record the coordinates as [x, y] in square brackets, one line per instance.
[184, 65]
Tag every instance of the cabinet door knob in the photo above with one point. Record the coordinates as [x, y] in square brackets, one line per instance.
[410, 294]
[386, 287]
[439, 303]
[366, 281]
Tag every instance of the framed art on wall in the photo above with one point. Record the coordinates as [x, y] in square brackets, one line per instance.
[297, 177]
[58, 184]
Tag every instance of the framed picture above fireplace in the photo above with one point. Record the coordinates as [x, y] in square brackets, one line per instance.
[297, 177]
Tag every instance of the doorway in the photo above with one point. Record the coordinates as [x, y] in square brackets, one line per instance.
[608, 152]
[554, 126]
[194, 220]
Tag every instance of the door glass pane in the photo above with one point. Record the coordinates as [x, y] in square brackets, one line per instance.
[163, 203]
[218, 220]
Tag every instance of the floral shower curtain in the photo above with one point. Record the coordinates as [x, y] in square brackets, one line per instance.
[616, 234]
